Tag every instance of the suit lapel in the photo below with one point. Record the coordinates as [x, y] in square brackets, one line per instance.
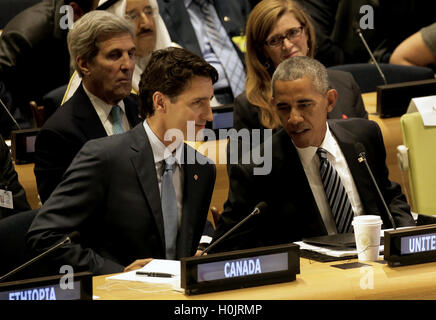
[131, 107]
[88, 119]
[308, 211]
[145, 168]
[194, 176]
[347, 141]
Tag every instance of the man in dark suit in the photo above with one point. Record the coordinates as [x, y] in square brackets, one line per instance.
[187, 26]
[112, 191]
[12, 195]
[106, 63]
[34, 55]
[298, 204]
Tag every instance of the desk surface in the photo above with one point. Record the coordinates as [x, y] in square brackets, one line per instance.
[317, 281]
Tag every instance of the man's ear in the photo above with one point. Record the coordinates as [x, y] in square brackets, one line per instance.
[159, 102]
[83, 65]
[332, 97]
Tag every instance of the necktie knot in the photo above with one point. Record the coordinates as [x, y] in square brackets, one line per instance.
[322, 154]
[169, 163]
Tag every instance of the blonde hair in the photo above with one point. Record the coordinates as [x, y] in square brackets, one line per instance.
[261, 21]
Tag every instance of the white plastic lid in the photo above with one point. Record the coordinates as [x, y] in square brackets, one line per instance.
[367, 219]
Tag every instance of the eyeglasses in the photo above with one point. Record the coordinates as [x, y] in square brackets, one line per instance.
[291, 34]
[133, 15]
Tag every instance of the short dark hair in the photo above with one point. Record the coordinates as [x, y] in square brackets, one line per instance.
[170, 71]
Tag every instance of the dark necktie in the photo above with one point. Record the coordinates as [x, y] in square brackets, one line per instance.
[169, 208]
[336, 194]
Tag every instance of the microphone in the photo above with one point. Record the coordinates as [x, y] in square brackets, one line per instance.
[261, 206]
[10, 115]
[360, 148]
[359, 33]
[72, 237]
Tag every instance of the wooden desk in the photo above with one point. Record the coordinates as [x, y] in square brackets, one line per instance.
[28, 181]
[317, 281]
[391, 130]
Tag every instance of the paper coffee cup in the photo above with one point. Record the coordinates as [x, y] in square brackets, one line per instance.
[367, 234]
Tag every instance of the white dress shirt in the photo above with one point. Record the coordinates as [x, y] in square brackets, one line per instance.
[103, 110]
[160, 153]
[310, 162]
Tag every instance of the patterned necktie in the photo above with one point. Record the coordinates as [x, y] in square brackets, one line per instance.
[336, 194]
[169, 208]
[117, 127]
[223, 48]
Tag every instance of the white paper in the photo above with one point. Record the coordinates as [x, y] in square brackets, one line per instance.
[426, 106]
[155, 265]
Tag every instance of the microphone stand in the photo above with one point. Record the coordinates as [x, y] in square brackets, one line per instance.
[64, 242]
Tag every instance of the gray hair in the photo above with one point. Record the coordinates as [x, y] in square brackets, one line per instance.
[300, 67]
[89, 30]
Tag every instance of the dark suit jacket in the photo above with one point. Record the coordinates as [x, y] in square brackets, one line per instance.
[292, 211]
[9, 181]
[34, 56]
[111, 196]
[179, 25]
[64, 133]
[349, 103]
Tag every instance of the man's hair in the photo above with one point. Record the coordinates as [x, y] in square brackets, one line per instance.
[170, 71]
[300, 67]
[95, 26]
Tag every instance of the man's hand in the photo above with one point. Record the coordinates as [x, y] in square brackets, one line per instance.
[138, 264]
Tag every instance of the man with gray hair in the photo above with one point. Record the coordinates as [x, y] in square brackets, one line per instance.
[102, 51]
[317, 184]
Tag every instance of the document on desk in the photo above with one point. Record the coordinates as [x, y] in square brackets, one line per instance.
[154, 266]
[333, 252]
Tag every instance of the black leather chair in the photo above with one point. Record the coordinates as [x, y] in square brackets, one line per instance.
[368, 77]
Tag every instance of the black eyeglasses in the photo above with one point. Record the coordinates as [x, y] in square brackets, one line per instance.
[291, 34]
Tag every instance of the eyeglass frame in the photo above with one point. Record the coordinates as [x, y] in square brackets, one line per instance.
[145, 10]
[286, 36]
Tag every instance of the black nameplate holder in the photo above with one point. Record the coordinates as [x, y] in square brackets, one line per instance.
[240, 269]
[410, 246]
[393, 99]
[78, 287]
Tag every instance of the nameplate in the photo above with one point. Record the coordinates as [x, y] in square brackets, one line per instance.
[240, 269]
[76, 287]
[410, 246]
[393, 99]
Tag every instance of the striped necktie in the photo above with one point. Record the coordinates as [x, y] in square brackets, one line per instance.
[336, 194]
[169, 208]
[223, 47]
[117, 127]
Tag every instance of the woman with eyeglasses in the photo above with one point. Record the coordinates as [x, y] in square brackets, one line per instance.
[150, 34]
[278, 30]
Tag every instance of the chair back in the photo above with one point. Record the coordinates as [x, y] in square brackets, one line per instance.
[421, 144]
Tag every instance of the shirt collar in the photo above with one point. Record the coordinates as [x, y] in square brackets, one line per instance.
[103, 109]
[307, 154]
[160, 151]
